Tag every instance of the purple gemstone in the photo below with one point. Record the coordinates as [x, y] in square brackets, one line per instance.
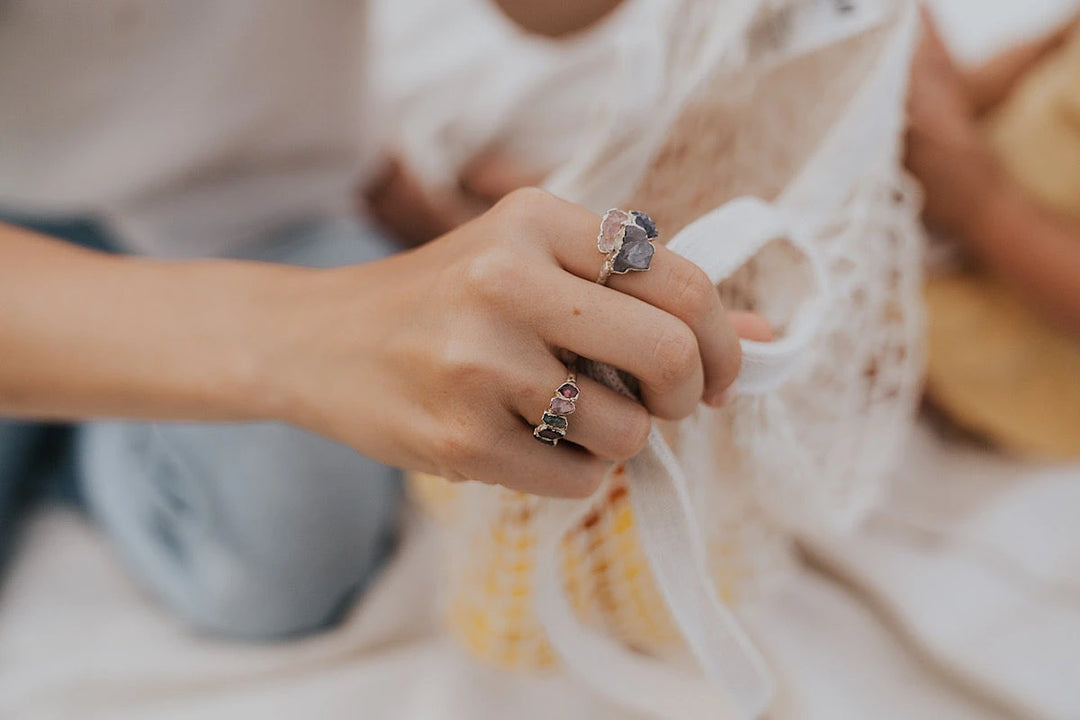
[646, 223]
[562, 406]
[610, 229]
[568, 390]
[633, 256]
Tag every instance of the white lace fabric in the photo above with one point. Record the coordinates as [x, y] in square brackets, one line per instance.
[799, 105]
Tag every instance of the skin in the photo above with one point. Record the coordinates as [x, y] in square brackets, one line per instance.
[415, 214]
[556, 17]
[439, 359]
[968, 194]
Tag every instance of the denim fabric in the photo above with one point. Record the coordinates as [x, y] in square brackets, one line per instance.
[36, 459]
[253, 530]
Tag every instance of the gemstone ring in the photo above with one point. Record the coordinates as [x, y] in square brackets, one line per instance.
[552, 427]
[626, 240]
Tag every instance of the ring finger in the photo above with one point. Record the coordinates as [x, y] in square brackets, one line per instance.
[609, 425]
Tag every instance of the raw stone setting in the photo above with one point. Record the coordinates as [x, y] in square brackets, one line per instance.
[636, 255]
[549, 434]
[610, 230]
[555, 421]
[633, 234]
[646, 223]
[562, 406]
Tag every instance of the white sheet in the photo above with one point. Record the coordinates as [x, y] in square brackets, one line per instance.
[78, 640]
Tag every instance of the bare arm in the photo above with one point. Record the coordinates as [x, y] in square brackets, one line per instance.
[441, 359]
[84, 334]
[971, 197]
[989, 84]
[556, 17]
[1029, 246]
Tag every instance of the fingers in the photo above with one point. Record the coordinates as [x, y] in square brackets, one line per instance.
[519, 461]
[672, 284]
[408, 210]
[751, 326]
[609, 425]
[681, 288]
[607, 326]
[492, 176]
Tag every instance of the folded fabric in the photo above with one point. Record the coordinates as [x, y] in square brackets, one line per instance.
[978, 562]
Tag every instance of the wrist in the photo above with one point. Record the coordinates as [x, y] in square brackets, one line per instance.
[293, 356]
[269, 317]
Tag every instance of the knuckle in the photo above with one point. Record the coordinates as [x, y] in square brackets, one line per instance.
[675, 357]
[693, 292]
[492, 276]
[634, 434]
[462, 369]
[732, 365]
[524, 206]
[457, 448]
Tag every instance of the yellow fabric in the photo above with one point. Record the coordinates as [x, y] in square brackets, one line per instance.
[1000, 370]
[1036, 132]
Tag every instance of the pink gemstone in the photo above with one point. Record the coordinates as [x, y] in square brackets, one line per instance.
[610, 228]
[568, 390]
[562, 406]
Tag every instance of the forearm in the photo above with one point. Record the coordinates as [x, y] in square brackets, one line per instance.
[556, 17]
[1031, 248]
[83, 334]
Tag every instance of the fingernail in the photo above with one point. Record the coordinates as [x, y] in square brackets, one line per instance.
[721, 399]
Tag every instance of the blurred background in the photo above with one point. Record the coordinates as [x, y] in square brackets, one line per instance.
[78, 641]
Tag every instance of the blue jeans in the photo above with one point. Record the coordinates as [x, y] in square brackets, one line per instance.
[255, 530]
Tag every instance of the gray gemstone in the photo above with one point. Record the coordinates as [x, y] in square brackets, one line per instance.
[634, 233]
[633, 256]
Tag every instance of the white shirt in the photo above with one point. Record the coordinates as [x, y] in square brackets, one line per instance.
[193, 126]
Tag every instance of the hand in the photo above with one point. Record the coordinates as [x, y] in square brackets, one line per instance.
[442, 359]
[944, 148]
[414, 214]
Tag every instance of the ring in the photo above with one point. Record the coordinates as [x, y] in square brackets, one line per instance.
[552, 427]
[626, 240]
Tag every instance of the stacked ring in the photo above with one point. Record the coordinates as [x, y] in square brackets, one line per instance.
[552, 427]
[626, 240]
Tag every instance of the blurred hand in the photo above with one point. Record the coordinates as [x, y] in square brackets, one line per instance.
[944, 148]
[415, 215]
[442, 359]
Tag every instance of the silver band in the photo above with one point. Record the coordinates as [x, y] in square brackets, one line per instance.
[626, 240]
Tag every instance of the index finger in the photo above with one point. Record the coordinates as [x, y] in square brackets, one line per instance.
[672, 284]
